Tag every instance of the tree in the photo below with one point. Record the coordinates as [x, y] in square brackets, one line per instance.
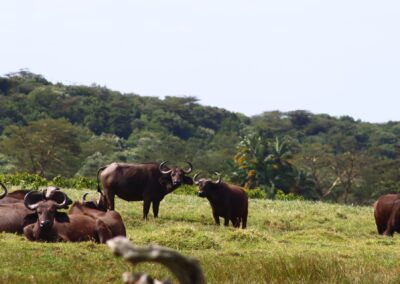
[267, 163]
[47, 147]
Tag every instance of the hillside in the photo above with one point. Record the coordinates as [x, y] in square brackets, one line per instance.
[286, 242]
[70, 130]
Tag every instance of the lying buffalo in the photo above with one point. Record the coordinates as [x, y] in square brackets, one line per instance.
[13, 197]
[54, 226]
[227, 201]
[17, 196]
[387, 214]
[15, 216]
[136, 182]
[111, 218]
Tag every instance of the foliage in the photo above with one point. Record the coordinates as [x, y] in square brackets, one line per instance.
[317, 156]
[280, 195]
[34, 181]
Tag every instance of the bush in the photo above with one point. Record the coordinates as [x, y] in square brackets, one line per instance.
[256, 193]
[280, 195]
[33, 181]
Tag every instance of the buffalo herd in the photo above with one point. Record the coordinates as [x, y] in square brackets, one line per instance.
[38, 215]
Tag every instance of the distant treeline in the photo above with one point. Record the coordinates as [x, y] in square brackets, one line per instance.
[70, 130]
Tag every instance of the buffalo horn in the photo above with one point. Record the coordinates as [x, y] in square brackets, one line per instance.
[64, 202]
[84, 196]
[5, 190]
[163, 171]
[194, 179]
[27, 201]
[219, 178]
[188, 171]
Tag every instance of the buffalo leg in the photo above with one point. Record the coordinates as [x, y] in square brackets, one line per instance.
[28, 232]
[226, 221]
[110, 200]
[146, 208]
[235, 222]
[103, 232]
[156, 205]
[216, 218]
[244, 221]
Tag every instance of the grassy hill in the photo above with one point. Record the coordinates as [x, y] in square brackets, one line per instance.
[286, 242]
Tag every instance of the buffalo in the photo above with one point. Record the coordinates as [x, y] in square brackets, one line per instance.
[227, 201]
[13, 197]
[17, 196]
[14, 214]
[14, 217]
[387, 214]
[54, 226]
[111, 218]
[135, 182]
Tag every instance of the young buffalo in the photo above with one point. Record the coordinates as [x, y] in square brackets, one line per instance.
[227, 200]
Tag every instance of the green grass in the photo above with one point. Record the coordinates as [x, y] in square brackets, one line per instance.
[286, 242]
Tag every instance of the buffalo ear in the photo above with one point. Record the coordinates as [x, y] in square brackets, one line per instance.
[165, 180]
[30, 219]
[187, 180]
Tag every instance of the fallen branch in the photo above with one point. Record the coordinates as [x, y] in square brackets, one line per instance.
[187, 270]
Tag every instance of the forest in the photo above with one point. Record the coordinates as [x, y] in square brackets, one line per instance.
[53, 129]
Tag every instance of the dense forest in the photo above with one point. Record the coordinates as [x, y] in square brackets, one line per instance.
[71, 130]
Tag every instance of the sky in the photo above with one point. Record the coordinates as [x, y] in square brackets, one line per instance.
[337, 57]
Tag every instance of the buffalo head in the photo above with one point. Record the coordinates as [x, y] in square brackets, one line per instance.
[46, 209]
[206, 186]
[177, 176]
[99, 204]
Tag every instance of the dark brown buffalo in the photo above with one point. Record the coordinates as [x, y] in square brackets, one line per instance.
[14, 216]
[17, 196]
[111, 218]
[136, 182]
[54, 226]
[13, 197]
[387, 214]
[227, 201]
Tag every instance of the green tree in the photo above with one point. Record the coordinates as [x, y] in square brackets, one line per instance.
[47, 147]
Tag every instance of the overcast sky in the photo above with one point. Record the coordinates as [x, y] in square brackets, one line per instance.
[338, 57]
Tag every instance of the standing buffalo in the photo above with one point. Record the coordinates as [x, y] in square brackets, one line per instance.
[387, 214]
[227, 200]
[111, 218]
[54, 226]
[136, 182]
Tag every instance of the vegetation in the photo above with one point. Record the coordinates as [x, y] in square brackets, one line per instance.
[70, 130]
[286, 242]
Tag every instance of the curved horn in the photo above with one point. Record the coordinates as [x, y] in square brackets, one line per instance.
[219, 178]
[5, 190]
[27, 201]
[161, 170]
[188, 171]
[194, 179]
[64, 202]
[84, 196]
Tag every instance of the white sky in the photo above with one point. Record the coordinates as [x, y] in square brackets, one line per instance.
[338, 57]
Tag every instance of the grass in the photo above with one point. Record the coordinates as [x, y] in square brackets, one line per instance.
[286, 242]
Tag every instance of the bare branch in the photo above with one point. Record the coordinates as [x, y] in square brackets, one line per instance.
[335, 183]
[187, 270]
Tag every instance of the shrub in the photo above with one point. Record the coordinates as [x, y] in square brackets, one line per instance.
[280, 195]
